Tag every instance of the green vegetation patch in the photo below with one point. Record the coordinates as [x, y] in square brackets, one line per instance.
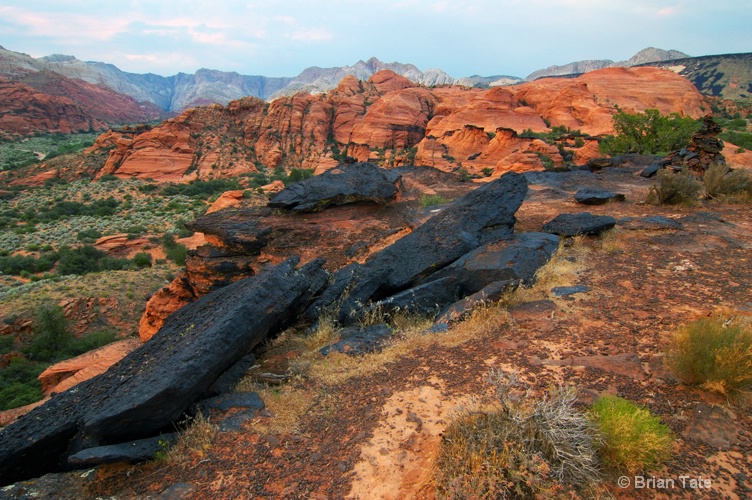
[648, 133]
[634, 440]
[714, 353]
[24, 152]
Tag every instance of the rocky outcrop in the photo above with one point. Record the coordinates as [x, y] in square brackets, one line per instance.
[593, 196]
[47, 102]
[489, 271]
[65, 374]
[483, 215]
[339, 186]
[586, 103]
[151, 387]
[390, 121]
[582, 223]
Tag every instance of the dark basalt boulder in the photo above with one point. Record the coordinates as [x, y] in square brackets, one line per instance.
[339, 186]
[489, 293]
[483, 215]
[512, 262]
[582, 223]
[140, 450]
[356, 340]
[592, 196]
[148, 390]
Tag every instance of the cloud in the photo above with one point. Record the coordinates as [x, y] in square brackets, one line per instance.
[668, 11]
[311, 35]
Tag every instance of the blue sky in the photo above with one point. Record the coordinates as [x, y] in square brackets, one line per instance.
[281, 38]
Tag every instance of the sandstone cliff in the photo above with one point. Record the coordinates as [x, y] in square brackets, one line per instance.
[392, 121]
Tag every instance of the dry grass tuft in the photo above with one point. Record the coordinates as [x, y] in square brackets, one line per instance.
[724, 184]
[194, 441]
[518, 447]
[672, 188]
[715, 353]
[561, 270]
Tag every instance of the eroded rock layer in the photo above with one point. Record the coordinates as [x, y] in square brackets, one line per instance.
[392, 121]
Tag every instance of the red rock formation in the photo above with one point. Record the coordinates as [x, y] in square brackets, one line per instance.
[163, 303]
[228, 199]
[45, 101]
[588, 101]
[392, 121]
[66, 374]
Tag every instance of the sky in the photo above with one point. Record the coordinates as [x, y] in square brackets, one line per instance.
[282, 38]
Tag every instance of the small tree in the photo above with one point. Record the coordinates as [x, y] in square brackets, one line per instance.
[648, 133]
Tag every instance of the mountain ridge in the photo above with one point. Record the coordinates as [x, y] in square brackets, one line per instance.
[647, 55]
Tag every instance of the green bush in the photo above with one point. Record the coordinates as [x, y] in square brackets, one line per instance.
[87, 259]
[715, 353]
[299, 174]
[174, 251]
[142, 259]
[648, 133]
[51, 336]
[672, 188]
[634, 440]
[90, 342]
[429, 200]
[518, 448]
[19, 385]
[6, 344]
[202, 189]
[737, 138]
[88, 235]
[16, 264]
[97, 208]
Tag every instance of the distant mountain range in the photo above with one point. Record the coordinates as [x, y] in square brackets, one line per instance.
[95, 94]
[648, 55]
[178, 92]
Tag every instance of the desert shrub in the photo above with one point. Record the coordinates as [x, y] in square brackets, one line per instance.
[299, 174]
[680, 188]
[90, 342]
[19, 385]
[464, 174]
[741, 139]
[201, 189]
[173, 250]
[634, 440]
[88, 235]
[17, 264]
[429, 200]
[728, 185]
[715, 353]
[518, 447]
[648, 133]
[87, 259]
[142, 259]
[6, 344]
[51, 336]
[97, 208]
